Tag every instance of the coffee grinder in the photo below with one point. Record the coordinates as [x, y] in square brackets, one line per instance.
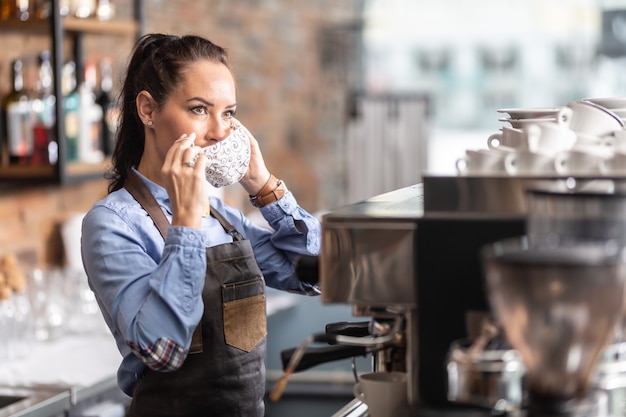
[559, 301]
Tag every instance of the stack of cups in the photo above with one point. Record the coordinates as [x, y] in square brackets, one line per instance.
[615, 166]
[539, 145]
[592, 149]
[582, 139]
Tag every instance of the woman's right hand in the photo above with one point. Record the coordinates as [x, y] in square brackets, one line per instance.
[185, 183]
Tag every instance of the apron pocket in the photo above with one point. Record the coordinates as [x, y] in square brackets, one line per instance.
[244, 314]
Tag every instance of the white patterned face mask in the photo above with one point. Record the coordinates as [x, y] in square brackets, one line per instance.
[228, 160]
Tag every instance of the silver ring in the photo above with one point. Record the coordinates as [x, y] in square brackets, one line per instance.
[190, 164]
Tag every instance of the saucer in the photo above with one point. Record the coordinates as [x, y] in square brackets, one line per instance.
[521, 123]
[530, 112]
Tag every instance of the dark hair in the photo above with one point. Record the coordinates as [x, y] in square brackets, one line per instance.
[156, 65]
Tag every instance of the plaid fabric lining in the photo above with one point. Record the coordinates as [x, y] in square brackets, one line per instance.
[164, 355]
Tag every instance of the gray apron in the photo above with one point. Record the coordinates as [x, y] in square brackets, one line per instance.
[224, 373]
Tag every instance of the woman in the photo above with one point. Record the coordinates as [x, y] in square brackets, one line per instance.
[181, 282]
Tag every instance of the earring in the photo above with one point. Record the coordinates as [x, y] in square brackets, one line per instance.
[150, 123]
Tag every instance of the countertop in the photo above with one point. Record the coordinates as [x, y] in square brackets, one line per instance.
[56, 375]
[71, 361]
[64, 372]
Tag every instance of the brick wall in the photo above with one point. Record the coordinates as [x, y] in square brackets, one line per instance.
[31, 218]
[293, 63]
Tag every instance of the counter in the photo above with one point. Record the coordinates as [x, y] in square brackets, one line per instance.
[58, 375]
[39, 402]
[61, 375]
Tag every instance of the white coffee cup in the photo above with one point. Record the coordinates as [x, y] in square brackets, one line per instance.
[589, 118]
[597, 144]
[615, 104]
[483, 161]
[618, 139]
[525, 162]
[615, 165]
[384, 393]
[228, 160]
[549, 138]
[582, 160]
[508, 136]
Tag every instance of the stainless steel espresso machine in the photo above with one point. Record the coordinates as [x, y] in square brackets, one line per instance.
[415, 251]
[409, 264]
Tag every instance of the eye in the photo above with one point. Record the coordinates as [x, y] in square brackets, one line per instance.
[199, 110]
[230, 114]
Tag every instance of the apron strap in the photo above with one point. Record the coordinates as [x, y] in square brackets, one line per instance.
[140, 192]
[229, 228]
[138, 189]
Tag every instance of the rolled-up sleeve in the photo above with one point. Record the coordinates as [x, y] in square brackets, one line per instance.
[149, 289]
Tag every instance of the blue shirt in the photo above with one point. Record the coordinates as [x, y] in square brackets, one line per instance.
[149, 289]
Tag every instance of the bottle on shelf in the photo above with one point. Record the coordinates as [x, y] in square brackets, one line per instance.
[23, 9]
[90, 118]
[83, 9]
[5, 9]
[105, 10]
[42, 9]
[17, 117]
[71, 105]
[110, 109]
[45, 147]
[15, 9]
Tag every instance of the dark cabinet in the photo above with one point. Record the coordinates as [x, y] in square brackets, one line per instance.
[61, 29]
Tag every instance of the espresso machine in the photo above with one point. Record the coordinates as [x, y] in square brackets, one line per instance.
[416, 251]
[409, 262]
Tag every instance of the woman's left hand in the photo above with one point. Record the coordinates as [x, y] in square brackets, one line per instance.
[257, 174]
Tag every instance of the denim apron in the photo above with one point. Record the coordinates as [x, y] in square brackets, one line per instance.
[224, 373]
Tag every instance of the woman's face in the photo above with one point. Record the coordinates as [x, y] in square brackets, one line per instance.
[204, 102]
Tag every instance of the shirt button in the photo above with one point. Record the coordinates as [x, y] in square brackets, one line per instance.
[191, 236]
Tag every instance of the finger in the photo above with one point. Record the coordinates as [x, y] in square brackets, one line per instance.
[185, 138]
[191, 155]
[200, 161]
[175, 153]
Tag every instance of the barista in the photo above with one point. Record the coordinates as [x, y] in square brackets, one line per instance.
[180, 277]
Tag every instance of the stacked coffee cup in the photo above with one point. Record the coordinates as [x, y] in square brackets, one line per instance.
[583, 138]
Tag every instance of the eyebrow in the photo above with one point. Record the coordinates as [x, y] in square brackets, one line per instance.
[208, 103]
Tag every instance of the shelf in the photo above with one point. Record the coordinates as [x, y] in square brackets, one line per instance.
[37, 26]
[110, 27]
[75, 171]
[60, 28]
[72, 24]
[15, 172]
